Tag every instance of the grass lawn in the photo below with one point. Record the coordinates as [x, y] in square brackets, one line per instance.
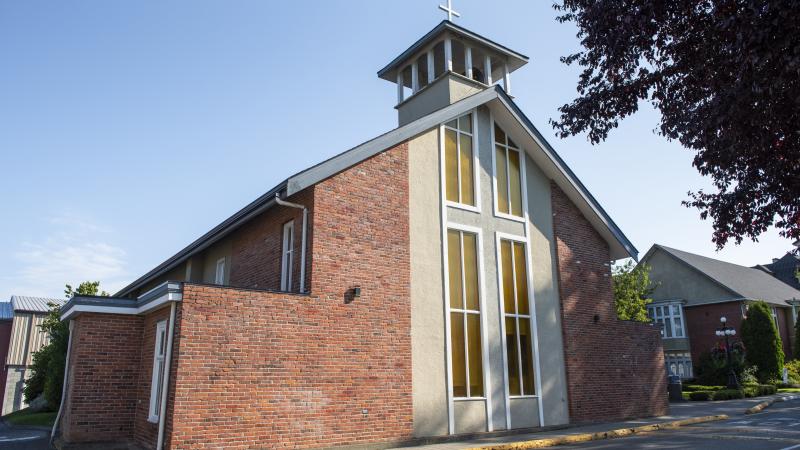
[789, 390]
[24, 417]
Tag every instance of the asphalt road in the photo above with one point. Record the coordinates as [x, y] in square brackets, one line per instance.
[23, 438]
[777, 428]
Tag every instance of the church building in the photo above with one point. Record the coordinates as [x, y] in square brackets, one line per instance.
[450, 276]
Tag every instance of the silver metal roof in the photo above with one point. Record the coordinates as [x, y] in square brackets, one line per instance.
[33, 304]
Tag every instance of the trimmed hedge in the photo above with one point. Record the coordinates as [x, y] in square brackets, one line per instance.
[720, 393]
[700, 387]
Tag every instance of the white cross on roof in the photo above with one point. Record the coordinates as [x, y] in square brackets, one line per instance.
[449, 10]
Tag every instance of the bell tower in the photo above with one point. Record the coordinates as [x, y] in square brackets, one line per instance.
[446, 65]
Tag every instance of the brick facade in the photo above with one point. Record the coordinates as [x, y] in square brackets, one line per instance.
[703, 320]
[615, 369]
[103, 373]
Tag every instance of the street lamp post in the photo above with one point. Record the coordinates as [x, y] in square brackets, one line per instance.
[726, 332]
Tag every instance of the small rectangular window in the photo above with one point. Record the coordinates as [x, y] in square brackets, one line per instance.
[159, 360]
[458, 161]
[287, 256]
[508, 172]
[465, 315]
[219, 274]
[519, 351]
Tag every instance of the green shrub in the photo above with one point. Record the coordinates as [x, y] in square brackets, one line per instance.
[700, 387]
[712, 368]
[727, 394]
[767, 389]
[699, 396]
[793, 367]
[763, 344]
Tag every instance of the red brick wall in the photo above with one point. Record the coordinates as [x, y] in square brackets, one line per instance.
[103, 370]
[615, 369]
[702, 322]
[257, 246]
[5, 340]
[272, 370]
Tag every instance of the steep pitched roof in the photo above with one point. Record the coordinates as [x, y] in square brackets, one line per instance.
[24, 303]
[785, 269]
[502, 106]
[6, 311]
[747, 282]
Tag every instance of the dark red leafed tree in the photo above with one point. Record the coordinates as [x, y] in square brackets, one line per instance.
[725, 76]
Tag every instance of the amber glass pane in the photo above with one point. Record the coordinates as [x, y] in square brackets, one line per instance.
[458, 354]
[475, 356]
[465, 123]
[514, 179]
[502, 179]
[508, 276]
[467, 183]
[511, 356]
[471, 271]
[454, 268]
[499, 136]
[522, 278]
[451, 165]
[527, 356]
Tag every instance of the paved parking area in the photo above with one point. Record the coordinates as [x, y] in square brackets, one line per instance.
[23, 438]
[777, 428]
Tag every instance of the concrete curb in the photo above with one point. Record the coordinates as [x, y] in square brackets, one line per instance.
[611, 434]
[767, 403]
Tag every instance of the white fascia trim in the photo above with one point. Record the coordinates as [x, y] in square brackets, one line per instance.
[166, 298]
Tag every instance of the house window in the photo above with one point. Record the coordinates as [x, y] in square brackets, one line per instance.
[679, 364]
[159, 359]
[219, 275]
[459, 162]
[775, 317]
[287, 256]
[517, 316]
[670, 316]
[465, 315]
[508, 173]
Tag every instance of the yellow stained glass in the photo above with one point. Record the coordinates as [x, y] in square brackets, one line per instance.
[527, 356]
[471, 271]
[502, 179]
[499, 136]
[451, 165]
[507, 268]
[475, 357]
[467, 172]
[454, 268]
[465, 123]
[458, 354]
[512, 357]
[515, 188]
[521, 278]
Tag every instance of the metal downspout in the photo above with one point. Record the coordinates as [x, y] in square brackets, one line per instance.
[162, 414]
[303, 240]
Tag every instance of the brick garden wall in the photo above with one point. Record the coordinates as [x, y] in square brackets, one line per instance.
[103, 370]
[615, 369]
[276, 370]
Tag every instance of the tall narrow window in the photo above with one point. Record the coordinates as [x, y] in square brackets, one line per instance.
[519, 349]
[458, 161]
[508, 163]
[219, 275]
[287, 256]
[465, 314]
[159, 359]
[670, 316]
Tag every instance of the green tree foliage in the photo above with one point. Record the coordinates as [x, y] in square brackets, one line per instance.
[47, 365]
[762, 343]
[632, 289]
[796, 350]
[724, 77]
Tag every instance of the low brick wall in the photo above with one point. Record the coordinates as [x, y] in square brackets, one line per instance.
[272, 370]
[103, 370]
[615, 369]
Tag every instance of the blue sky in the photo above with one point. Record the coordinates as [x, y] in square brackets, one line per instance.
[128, 129]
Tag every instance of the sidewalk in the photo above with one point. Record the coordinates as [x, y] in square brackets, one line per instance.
[678, 411]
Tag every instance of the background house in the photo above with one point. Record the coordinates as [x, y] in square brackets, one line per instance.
[692, 292]
[6, 316]
[26, 338]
